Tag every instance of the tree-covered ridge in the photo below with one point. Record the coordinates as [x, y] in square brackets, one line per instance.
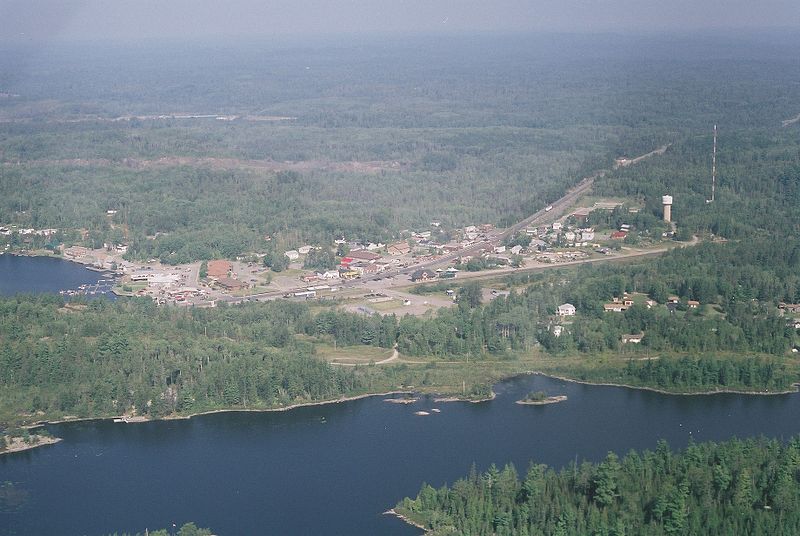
[738, 487]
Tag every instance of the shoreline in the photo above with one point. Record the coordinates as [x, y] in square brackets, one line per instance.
[404, 519]
[794, 387]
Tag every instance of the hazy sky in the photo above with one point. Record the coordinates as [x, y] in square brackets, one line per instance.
[37, 20]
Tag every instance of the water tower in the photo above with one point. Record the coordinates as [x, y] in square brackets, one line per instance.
[666, 200]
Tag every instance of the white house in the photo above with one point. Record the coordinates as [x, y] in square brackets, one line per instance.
[566, 309]
[516, 250]
[569, 236]
[304, 250]
[330, 274]
[587, 236]
[292, 254]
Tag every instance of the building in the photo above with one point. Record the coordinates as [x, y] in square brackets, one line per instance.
[618, 235]
[566, 309]
[231, 284]
[292, 254]
[633, 338]
[615, 307]
[673, 299]
[219, 268]
[558, 330]
[423, 275]
[363, 255]
[304, 250]
[399, 248]
[693, 304]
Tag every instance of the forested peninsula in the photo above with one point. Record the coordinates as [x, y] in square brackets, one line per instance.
[736, 487]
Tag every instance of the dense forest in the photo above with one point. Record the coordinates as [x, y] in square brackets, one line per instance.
[309, 151]
[103, 358]
[738, 487]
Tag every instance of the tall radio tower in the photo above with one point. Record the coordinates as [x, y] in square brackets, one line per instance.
[713, 168]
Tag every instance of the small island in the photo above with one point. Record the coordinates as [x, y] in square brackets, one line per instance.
[25, 441]
[540, 398]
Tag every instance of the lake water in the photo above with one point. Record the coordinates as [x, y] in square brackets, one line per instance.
[334, 469]
[24, 275]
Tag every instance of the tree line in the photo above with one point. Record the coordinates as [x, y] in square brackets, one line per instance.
[737, 487]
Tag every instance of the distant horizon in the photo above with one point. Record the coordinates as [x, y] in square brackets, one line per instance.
[765, 35]
[95, 21]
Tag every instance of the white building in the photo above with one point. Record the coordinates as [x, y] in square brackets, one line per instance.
[292, 254]
[566, 309]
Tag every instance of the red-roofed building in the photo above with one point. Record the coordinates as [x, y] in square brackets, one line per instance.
[219, 268]
[618, 235]
[364, 255]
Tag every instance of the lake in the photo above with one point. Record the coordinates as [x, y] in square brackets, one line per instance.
[35, 275]
[334, 469]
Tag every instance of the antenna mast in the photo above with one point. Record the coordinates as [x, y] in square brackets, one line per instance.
[713, 168]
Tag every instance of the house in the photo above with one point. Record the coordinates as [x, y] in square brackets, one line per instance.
[423, 275]
[673, 299]
[330, 274]
[557, 226]
[616, 307]
[790, 307]
[450, 273]
[569, 236]
[618, 235]
[627, 302]
[587, 235]
[76, 252]
[794, 323]
[693, 304]
[219, 268]
[582, 213]
[633, 338]
[566, 309]
[516, 250]
[399, 248]
[499, 249]
[292, 254]
[304, 250]
[650, 304]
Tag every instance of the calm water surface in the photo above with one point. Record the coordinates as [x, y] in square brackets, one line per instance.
[34, 275]
[333, 469]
